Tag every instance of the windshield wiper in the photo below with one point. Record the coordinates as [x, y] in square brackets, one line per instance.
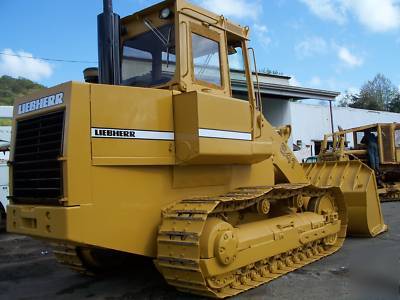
[166, 41]
[168, 45]
[206, 64]
[156, 32]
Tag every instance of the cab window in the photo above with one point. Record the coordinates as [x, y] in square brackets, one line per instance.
[206, 60]
[237, 70]
[149, 59]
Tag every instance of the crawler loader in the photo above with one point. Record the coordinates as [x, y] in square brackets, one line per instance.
[334, 147]
[155, 157]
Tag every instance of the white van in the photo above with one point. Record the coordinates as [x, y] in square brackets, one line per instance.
[5, 135]
[3, 190]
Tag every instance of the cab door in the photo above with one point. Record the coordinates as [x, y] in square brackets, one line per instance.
[387, 147]
[207, 60]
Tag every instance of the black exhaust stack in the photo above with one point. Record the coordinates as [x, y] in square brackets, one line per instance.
[108, 28]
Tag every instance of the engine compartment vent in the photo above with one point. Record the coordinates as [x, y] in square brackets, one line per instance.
[36, 170]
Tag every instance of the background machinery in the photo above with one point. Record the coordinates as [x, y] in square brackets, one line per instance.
[159, 160]
[388, 140]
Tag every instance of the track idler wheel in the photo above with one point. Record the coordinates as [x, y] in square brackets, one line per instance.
[219, 239]
[321, 205]
[226, 247]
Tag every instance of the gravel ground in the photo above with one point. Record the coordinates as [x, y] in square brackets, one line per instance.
[362, 269]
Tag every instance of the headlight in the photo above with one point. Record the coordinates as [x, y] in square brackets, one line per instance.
[165, 13]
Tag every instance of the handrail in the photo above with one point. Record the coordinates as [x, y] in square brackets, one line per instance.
[258, 94]
[187, 36]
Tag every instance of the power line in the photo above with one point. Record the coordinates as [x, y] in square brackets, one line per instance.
[50, 59]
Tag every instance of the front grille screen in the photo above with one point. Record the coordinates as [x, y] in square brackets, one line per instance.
[37, 173]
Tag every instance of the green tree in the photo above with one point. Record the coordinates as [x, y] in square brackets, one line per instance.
[394, 105]
[375, 94]
[347, 99]
[13, 88]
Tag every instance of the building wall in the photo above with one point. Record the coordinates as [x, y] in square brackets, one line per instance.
[309, 122]
[277, 111]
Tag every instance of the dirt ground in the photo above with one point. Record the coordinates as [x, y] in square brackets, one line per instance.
[362, 269]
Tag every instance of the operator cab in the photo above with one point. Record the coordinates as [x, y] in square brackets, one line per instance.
[178, 46]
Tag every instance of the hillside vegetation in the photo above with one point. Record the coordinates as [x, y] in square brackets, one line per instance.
[13, 88]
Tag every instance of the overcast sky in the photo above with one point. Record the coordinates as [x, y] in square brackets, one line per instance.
[326, 44]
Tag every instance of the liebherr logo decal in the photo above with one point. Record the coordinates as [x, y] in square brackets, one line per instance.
[41, 103]
[132, 134]
[115, 133]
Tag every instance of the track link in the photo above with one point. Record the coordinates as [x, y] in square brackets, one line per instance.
[68, 255]
[391, 196]
[179, 243]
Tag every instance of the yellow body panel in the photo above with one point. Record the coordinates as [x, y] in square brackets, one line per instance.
[200, 117]
[137, 109]
[116, 191]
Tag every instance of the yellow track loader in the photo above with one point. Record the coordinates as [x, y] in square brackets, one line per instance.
[155, 157]
[334, 148]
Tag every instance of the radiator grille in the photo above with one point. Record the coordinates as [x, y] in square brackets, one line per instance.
[37, 174]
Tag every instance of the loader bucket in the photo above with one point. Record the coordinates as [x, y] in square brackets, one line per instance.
[358, 185]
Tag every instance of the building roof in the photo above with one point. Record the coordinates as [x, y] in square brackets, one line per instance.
[277, 86]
